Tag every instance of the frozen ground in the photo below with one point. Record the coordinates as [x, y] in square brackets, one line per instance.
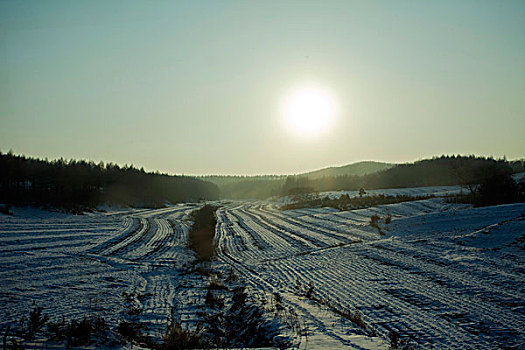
[411, 191]
[98, 264]
[447, 275]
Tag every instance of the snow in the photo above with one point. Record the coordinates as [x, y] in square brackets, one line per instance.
[411, 191]
[446, 275]
[77, 265]
[424, 278]
[438, 191]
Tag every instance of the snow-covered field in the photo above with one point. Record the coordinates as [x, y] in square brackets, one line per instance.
[75, 266]
[450, 276]
[447, 275]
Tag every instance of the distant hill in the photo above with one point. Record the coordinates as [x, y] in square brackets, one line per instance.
[227, 180]
[242, 187]
[438, 171]
[263, 186]
[357, 169]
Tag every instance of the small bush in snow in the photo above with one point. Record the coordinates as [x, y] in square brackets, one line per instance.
[178, 337]
[374, 221]
[36, 322]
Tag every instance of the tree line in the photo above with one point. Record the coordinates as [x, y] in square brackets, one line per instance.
[488, 181]
[439, 171]
[79, 184]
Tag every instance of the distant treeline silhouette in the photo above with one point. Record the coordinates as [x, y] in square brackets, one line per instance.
[77, 185]
[438, 171]
[80, 184]
[248, 187]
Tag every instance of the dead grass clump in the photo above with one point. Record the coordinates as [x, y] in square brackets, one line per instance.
[245, 325]
[374, 222]
[178, 337]
[216, 285]
[357, 318]
[232, 277]
[78, 332]
[58, 329]
[203, 270]
[36, 322]
[394, 338]
[202, 233]
[129, 331]
[214, 301]
[310, 290]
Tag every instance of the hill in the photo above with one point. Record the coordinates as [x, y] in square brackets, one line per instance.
[438, 171]
[263, 186]
[359, 169]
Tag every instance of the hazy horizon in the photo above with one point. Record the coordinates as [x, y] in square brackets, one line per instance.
[205, 88]
[211, 174]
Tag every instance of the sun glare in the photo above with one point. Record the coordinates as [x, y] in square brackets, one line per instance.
[309, 111]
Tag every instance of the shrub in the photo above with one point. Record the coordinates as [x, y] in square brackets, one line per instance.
[79, 332]
[346, 203]
[5, 209]
[393, 338]
[498, 188]
[58, 329]
[213, 301]
[36, 322]
[310, 290]
[99, 324]
[357, 318]
[245, 324]
[177, 337]
[232, 277]
[396, 342]
[374, 221]
[278, 301]
[129, 330]
[216, 285]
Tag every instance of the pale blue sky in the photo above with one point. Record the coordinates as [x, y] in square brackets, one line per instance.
[194, 87]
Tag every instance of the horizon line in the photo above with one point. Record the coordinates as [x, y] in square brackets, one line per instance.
[256, 175]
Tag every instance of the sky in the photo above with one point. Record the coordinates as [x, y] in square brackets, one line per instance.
[198, 87]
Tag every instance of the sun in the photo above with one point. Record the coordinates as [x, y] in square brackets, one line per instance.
[309, 111]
